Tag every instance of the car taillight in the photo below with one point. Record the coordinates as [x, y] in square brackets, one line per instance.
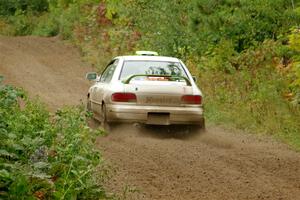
[123, 97]
[192, 99]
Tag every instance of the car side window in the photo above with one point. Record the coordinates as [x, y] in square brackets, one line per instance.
[109, 72]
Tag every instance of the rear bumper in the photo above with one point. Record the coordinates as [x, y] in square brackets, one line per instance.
[135, 113]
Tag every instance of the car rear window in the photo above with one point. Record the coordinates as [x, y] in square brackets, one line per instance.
[151, 68]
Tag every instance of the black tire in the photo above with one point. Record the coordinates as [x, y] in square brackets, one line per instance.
[104, 123]
[202, 124]
[88, 105]
[199, 127]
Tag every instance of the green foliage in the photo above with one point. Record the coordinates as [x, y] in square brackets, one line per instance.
[23, 23]
[183, 27]
[47, 26]
[223, 58]
[244, 22]
[294, 40]
[10, 7]
[43, 156]
[163, 24]
[30, 19]
[252, 98]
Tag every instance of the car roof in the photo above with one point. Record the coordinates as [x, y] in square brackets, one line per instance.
[149, 58]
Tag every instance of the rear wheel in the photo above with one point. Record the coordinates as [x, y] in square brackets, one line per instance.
[198, 127]
[202, 124]
[104, 123]
[88, 105]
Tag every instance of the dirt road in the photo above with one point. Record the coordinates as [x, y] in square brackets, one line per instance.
[155, 164]
[44, 67]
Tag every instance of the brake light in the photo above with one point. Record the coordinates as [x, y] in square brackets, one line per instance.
[123, 97]
[192, 99]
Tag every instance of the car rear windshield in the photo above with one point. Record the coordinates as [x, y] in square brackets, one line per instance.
[152, 68]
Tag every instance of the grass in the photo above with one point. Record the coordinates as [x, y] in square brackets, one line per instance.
[252, 104]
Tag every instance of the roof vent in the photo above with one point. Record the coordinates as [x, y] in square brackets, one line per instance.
[146, 53]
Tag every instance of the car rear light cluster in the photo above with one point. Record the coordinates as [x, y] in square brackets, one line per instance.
[123, 97]
[191, 99]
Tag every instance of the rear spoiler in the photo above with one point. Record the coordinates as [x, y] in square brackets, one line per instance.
[127, 81]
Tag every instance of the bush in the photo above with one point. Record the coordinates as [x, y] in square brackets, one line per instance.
[10, 7]
[294, 40]
[47, 26]
[253, 96]
[23, 24]
[44, 156]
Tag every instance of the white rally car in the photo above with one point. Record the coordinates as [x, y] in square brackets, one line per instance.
[145, 88]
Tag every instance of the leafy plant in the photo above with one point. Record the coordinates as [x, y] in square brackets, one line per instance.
[44, 156]
[294, 40]
[10, 7]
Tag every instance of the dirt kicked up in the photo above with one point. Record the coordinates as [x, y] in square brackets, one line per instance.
[150, 162]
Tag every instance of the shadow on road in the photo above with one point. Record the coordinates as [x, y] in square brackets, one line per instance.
[181, 132]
